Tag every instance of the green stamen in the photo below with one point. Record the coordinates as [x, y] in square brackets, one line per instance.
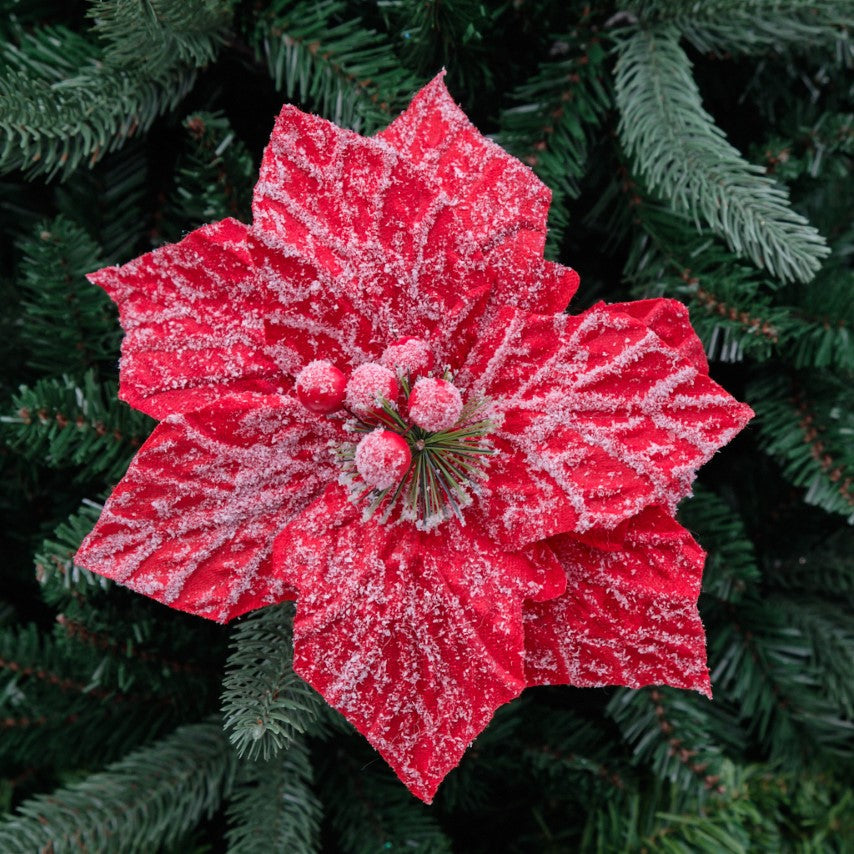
[447, 466]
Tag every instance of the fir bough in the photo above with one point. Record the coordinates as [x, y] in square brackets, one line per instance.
[265, 705]
[682, 155]
[149, 799]
[273, 807]
[68, 99]
[327, 60]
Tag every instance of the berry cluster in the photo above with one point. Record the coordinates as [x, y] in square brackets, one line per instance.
[421, 448]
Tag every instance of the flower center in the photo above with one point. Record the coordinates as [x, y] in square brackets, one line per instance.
[418, 452]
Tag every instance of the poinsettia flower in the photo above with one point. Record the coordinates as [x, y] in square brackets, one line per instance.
[370, 402]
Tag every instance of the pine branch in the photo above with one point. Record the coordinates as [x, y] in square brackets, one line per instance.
[265, 705]
[213, 180]
[439, 33]
[731, 566]
[731, 309]
[827, 568]
[683, 737]
[824, 334]
[813, 150]
[54, 561]
[808, 433]
[752, 26]
[150, 798]
[829, 631]
[108, 201]
[67, 100]
[332, 65]
[61, 706]
[562, 747]
[762, 663]
[147, 35]
[273, 807]
[66, 423]
[734, 308]
[68, 325]
[559, 109]
[370, 811]
[682, 155]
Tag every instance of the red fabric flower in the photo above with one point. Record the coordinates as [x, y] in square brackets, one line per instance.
[532, 542]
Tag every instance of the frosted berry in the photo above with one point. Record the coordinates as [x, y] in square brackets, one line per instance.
[320, 386]
[366, 388]
[382, 458]
[408, 356]
[434, 404]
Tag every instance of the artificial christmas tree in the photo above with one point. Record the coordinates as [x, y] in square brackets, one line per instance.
[126, 126]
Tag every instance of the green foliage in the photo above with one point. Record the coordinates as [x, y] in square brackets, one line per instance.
[763, 662]
[684, 156]
[214, 179]
[332, 64]
[63, 704]
[731, 567]
[265, 705]
[146, 36]
[69, 423]
[558, 111]
[54, 561]
[826, 567]
[806, 424]
[155, 114]
[438, 33]
[683, 737]
[108, 201]
[150, 798]
[752, 26]
[273, 807]
[67, 100]
[370, 811]
[56, 259]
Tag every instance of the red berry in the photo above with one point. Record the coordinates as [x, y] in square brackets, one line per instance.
[435, 405]
[383, 458]
[320, 387]
[408, 356]
[368, 385]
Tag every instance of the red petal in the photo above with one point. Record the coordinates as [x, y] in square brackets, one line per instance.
[669, 320]
[193, 521]
[389, 248]
[192, 321]
[523, 279]
[415, 637]
[500, 194]
[603, 416]
[629, 614]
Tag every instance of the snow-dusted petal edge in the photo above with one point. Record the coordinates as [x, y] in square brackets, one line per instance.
[192, 523]
[193, 321]
[629, 613]
[503, 203]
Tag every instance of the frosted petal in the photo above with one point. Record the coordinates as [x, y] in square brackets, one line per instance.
[669, 320]
[390, 253]
[416, 638]
[501, 195]
[606, 417]
[194, 328]
[629, 614]
[193, 521]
